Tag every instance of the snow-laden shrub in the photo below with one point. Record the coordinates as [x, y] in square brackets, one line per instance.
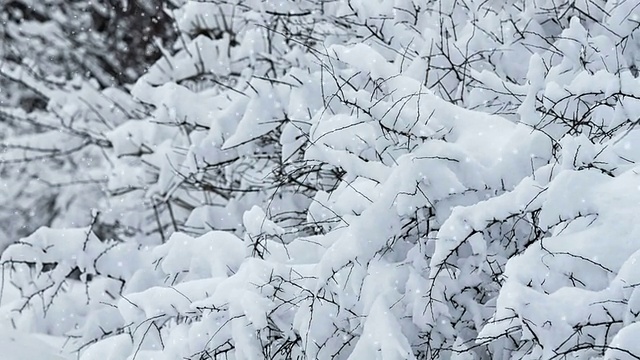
[58, 60]
[450, 179]
[53, 161]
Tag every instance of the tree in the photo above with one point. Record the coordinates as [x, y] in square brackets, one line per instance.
[341, 180]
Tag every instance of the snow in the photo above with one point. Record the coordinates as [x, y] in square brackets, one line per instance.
[382, 337]
[22, 345]
[17, 345]
[625, 344]
[345, 179]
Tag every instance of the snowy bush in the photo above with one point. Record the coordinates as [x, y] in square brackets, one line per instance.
[53, 162]
[58, 63]
[355, 180]
[111, 41]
